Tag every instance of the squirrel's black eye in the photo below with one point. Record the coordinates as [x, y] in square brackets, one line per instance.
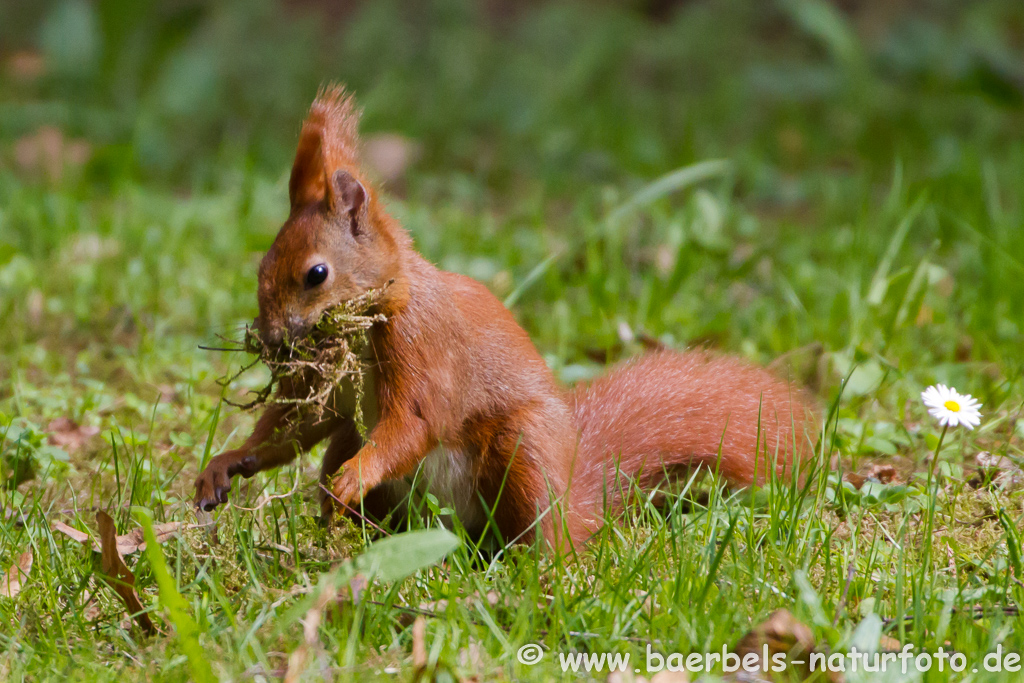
[316, 275]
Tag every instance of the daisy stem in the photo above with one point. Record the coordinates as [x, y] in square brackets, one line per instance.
[935, 458]
[933, 501]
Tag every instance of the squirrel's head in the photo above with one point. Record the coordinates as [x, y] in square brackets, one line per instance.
[337, 242]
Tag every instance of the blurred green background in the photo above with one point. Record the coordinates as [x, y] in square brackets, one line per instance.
[869, 205]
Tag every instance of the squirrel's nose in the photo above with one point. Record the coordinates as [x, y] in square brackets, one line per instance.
[272, 335]
[298, 326]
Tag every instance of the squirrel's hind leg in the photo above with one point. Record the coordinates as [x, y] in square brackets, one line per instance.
[525, 479]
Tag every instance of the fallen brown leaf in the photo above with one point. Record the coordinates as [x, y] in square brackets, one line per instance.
[67, 434]
[134, 541]
[48, 152]
[471, 657]
[491, 598]
[74, 534]
[310, 634]
[856, 479]
[356, 587]
[129, 543]
[419, 643]
[782, 633]
[667, 676]
[93, 609]
[26, 66]
[421, 672]
[35, 306]
[624, 677]
[999, 469]
[296, 664]
[435, 607]
[882, 472]
[16, 575]
[889, 644]
[987, 461]
[648, 601]
[117, 575]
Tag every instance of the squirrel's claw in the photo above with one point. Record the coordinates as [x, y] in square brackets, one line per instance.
[212, 487]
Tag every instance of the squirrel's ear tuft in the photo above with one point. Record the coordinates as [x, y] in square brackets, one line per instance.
[337, 111]
[328, 142]
[307, 182]
[347, 197]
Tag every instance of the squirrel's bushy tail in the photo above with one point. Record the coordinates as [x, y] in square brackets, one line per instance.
[666, 413]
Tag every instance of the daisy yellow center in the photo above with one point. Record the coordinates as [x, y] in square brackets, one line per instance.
[952, 405]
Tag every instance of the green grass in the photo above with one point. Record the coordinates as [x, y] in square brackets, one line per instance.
[845, 192]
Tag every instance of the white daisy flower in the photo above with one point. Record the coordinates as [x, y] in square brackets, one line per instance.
[951, 408]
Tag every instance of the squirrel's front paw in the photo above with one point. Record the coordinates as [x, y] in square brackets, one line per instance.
[346, 490]
[214, 484]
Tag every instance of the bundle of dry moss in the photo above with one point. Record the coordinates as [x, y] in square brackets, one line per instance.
[315, 365]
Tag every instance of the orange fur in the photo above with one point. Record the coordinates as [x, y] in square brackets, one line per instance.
[669, 411]
[460, 387]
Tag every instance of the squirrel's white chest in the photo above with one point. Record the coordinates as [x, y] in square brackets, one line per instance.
[447, 474]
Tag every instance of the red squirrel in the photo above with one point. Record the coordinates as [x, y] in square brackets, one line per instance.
[454, 383]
